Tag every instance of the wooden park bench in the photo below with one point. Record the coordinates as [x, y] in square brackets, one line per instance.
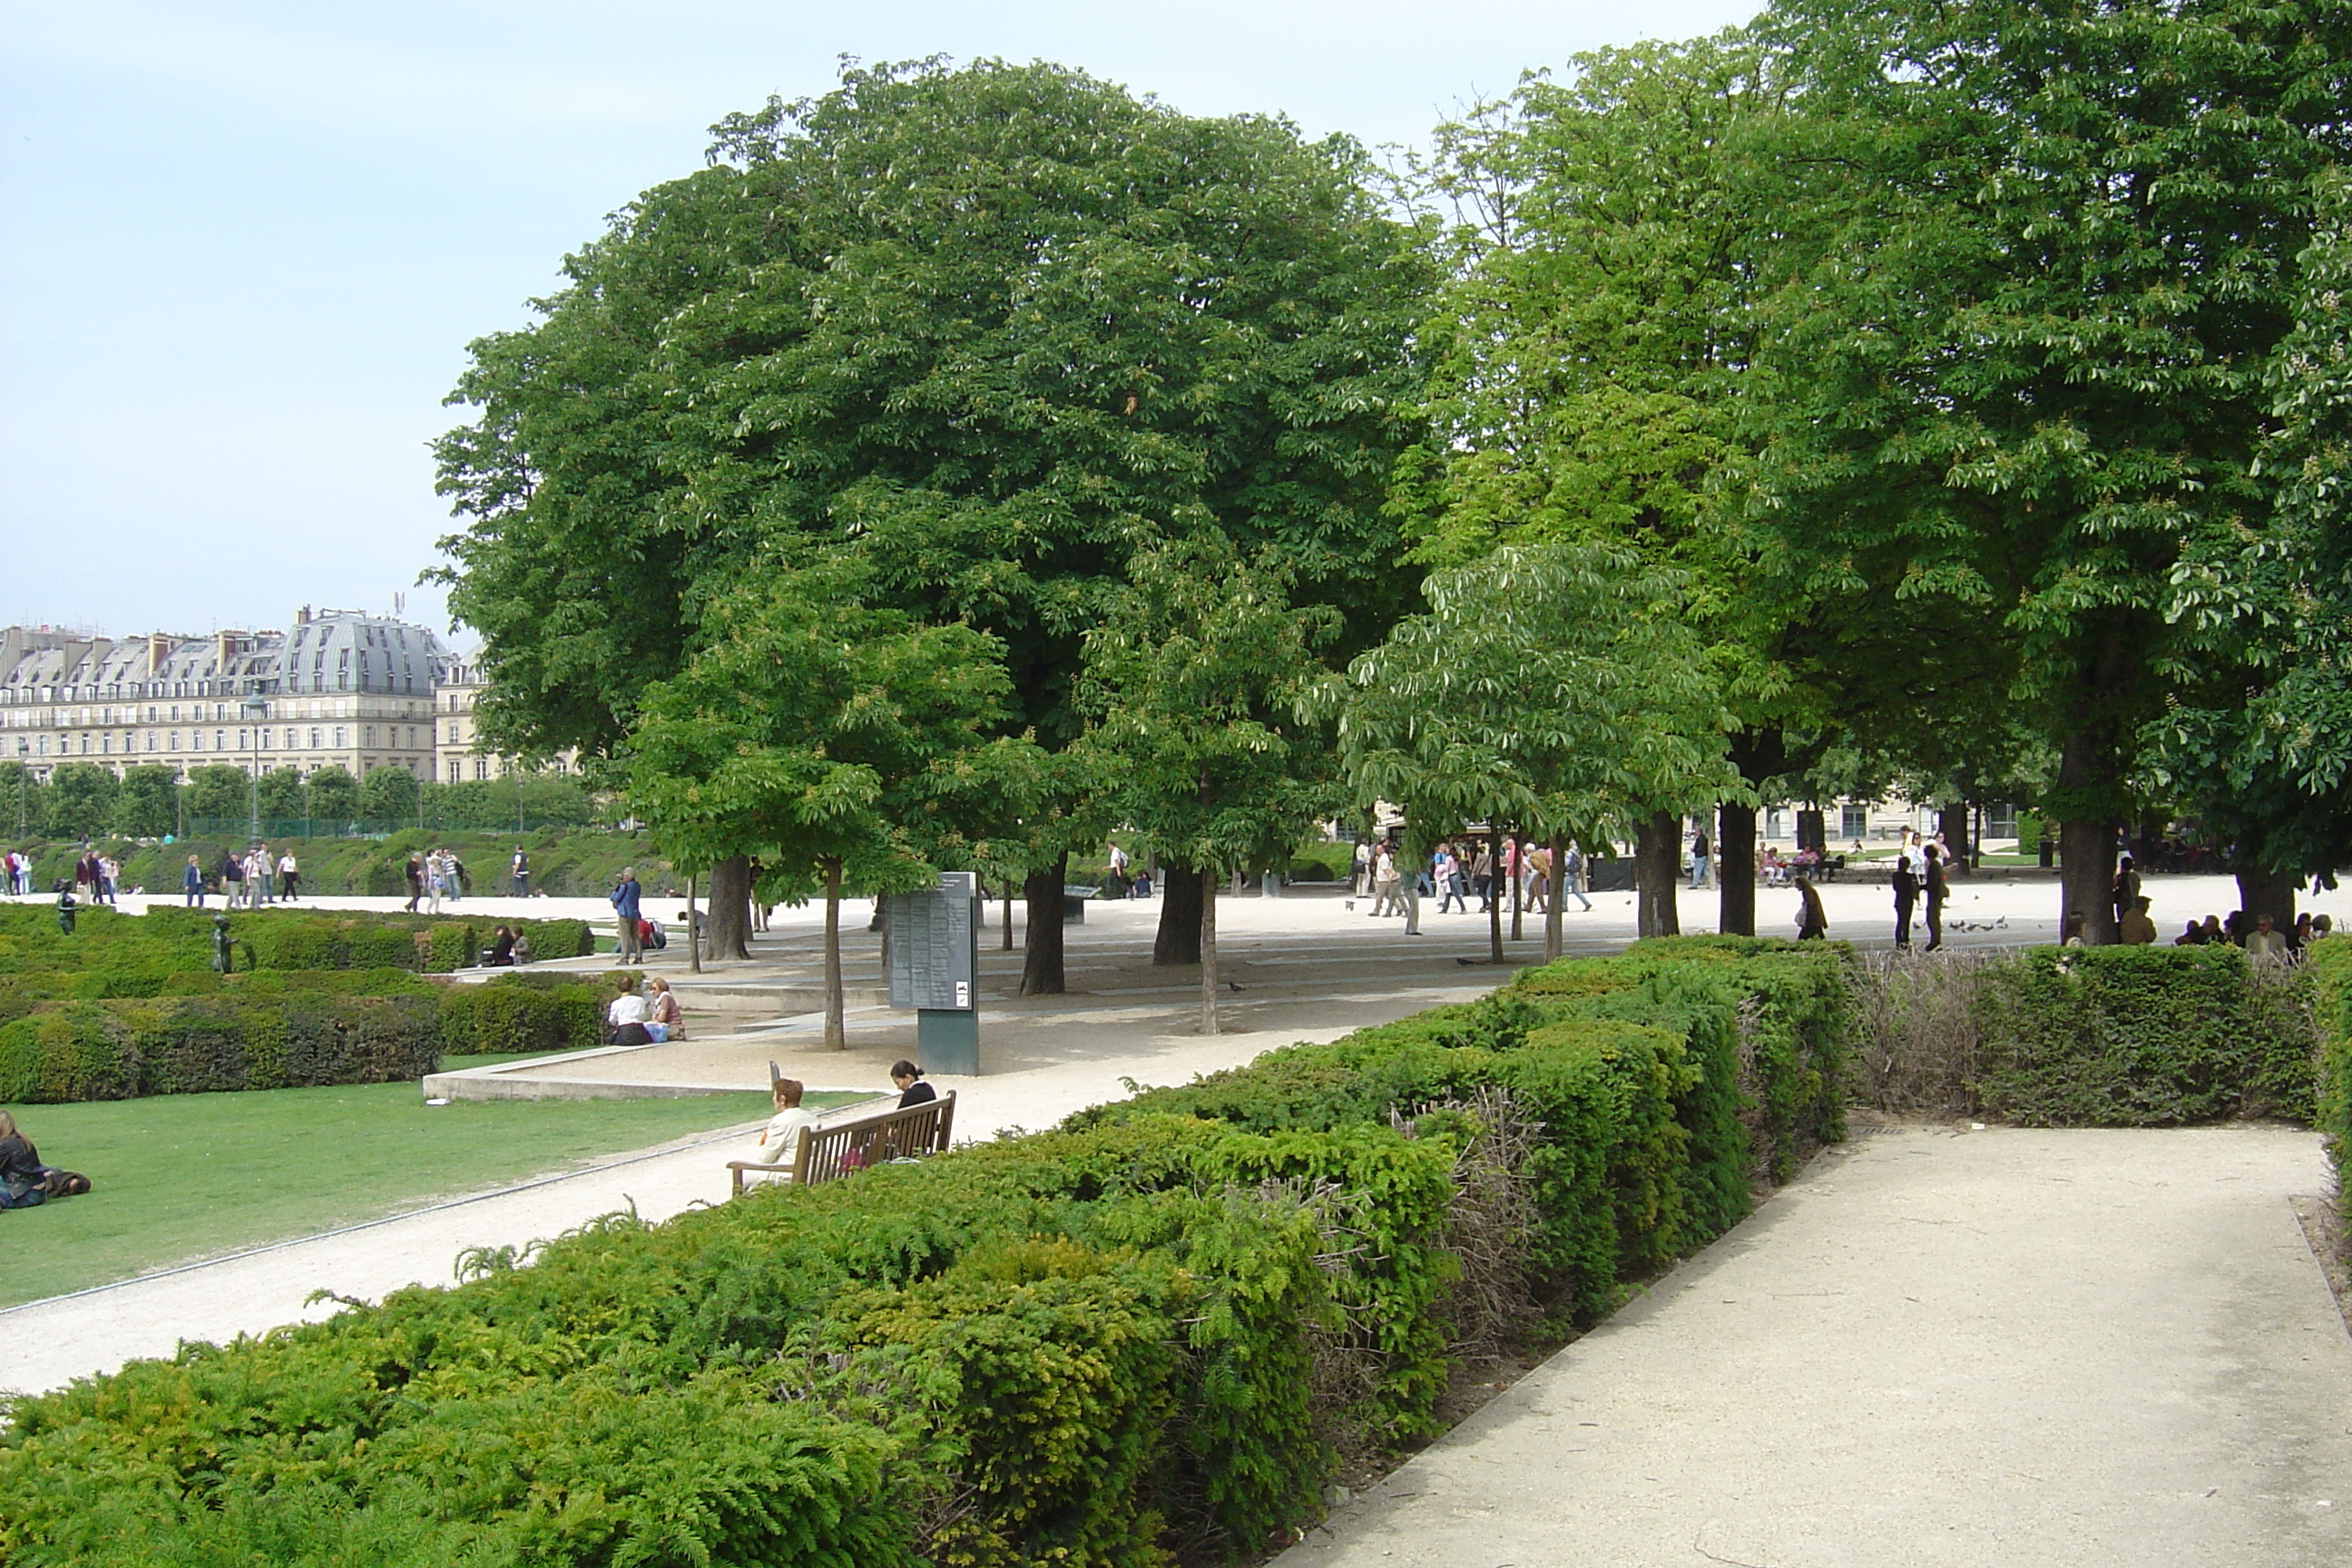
[831, 1150]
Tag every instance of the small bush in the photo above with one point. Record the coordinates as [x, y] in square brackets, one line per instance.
[512, 1016]
[194, 1044]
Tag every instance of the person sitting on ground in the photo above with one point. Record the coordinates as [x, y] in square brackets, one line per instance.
[24, 1182]
[2264, 945]
[2075, 924]
[909, 1080]
[663, 1021]
[627, 1015]
[502, 948]
[2136, 930]
[2191, 935]
[2214, 934]
[522, 954]
[1813, 921]
[781, 1137]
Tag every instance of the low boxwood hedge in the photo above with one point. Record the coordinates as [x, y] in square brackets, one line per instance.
[1149, 1332]
[2330, 962]
[2142, 1037]
[193, 1044]
[284, 1029]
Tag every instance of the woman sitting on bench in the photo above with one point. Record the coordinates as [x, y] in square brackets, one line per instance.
[782, 1135]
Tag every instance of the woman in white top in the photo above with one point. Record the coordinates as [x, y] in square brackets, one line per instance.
[627, 1015]
[782, 1135]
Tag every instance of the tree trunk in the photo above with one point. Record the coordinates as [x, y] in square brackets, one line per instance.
[1008, 917]
[2269, 893]
[1041, 968]
[1952, 822]
[1735, 837]
[1557, 896]
[1179, 938]
[693, 936]
[730, 920]
[1518, 860]
[1494, 897]
[1657, 873]
[836, 1036]
[2086, 878]
[1208, 957]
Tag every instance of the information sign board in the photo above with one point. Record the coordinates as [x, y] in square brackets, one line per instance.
[935, 946]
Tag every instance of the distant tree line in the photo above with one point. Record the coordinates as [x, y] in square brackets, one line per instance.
[84, 801]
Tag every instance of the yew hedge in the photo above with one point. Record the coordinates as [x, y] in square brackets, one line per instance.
[1145, 1333]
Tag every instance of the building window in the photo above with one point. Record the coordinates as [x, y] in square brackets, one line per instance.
[151, 739]
[172, 742]
[367, 736]
[1854, 821]
[105, 746]
[220, 739]
[314, 739]
[481, 767]
[339, 742]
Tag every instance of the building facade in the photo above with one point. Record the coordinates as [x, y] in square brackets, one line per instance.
[341, 688]
[458, 754]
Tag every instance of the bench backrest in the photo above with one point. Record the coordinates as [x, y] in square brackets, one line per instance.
[838, 1148]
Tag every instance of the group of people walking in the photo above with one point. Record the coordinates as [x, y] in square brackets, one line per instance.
[1457, 868]
[434, 875]
[251, 880]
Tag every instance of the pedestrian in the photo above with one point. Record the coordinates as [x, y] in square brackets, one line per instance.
[1448, 868]
[232, 878]
[1384, 882]
[415, 872]
[1571, 875]
[1117, 874]
[290, 876]
[1363, 885]
[519, 874]
[1813, 921]
[110, 872]
[1481, 875]
[1700, 862]
[1536, 867]
[191, 883]
[1907, 892]
[2127, 888]
[625, 899]
[1935, 888]
[437, 880]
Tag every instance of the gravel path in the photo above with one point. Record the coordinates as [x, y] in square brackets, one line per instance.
[1940, 1349]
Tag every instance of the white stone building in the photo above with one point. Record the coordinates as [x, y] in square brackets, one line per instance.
[343, 688]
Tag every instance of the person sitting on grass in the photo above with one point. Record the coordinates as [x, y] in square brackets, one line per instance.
[24, 1182]
[627, 1015]
[782, 1135]
[2135, 929]
[663, 1021]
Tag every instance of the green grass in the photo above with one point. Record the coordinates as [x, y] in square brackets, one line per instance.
[186, 1176]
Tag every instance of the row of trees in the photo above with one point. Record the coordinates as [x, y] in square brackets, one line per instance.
[966, 461]
[83, 800]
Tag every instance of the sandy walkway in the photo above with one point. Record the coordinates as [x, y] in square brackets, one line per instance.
[2030, 1348]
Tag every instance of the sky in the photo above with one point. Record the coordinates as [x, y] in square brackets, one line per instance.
[243, 247]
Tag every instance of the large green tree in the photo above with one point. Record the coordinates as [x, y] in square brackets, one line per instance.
[989, 328]
[219, 792]
[147, 806]
[2257, 748]
[1556, 687]
[2031, 264]
[1198, 690]
[843, 745]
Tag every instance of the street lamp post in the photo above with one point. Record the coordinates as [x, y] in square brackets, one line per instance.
[256, 710]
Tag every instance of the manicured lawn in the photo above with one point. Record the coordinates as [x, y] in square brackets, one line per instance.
[182, 1176]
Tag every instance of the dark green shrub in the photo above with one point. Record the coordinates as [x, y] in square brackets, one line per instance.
[2140, 1036]
[194, 1044]
[2330, 962]
[509, 1016]
[1073, 1347]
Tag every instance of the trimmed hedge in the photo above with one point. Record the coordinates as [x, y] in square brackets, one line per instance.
[2142, 1037]
[192, 1044]
[1145, 1332]
[286, 1029]
[112, 954]
[2330, 962]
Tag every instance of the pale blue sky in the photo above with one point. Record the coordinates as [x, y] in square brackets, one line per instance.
[246, 244]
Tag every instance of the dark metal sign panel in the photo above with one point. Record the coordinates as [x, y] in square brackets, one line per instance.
[934, 946]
